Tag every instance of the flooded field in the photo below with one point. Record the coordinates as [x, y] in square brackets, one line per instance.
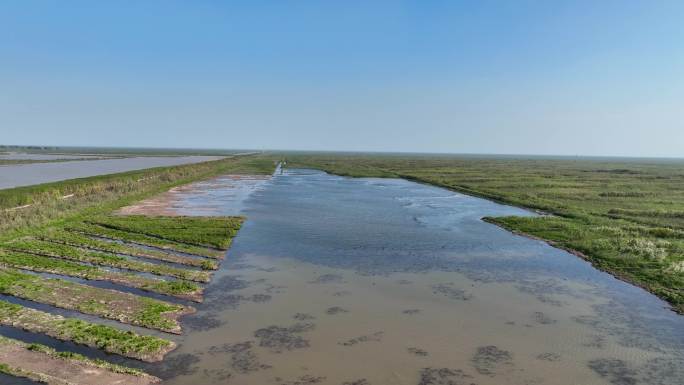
[36, 173]
[378, 281]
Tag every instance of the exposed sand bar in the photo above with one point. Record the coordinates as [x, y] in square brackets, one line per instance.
[37, 173]
[217, 196]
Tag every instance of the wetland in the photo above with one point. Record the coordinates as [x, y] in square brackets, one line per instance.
[336, 280]
[328, 280]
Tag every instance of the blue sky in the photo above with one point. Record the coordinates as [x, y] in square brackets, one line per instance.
[526, 77]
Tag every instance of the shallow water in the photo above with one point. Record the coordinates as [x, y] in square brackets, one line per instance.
[35, 173]
[380, 281]
[10, 380]
[224, 194]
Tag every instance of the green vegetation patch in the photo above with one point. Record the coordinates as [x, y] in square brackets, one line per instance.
[144, 240]
[80, 240]
[629, 251]
[210, 232]
[38, 263]
[63, 251]
[112, 304]
[109, 339]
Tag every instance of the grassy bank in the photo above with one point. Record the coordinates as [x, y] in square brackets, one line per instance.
[58, 250]
[625, 216]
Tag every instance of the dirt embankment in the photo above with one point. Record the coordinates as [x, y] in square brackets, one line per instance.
[52, 369]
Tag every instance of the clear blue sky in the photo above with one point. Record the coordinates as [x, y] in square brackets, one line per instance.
[542, 77]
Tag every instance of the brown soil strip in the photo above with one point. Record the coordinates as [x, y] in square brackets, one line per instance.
[123, 307]
[45, 365]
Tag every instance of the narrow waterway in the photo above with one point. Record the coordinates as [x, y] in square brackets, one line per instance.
[347, 281]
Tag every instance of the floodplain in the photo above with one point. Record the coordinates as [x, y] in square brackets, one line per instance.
[366, 280]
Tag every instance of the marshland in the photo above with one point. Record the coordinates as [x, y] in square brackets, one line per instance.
[341, 193]
[434, 269]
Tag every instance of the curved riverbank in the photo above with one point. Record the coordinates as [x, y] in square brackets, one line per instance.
[640, 246]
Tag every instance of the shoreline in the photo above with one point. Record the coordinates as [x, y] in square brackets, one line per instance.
[582, 256]
[576, 253]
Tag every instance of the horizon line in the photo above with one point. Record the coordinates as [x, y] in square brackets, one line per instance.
[388, 152]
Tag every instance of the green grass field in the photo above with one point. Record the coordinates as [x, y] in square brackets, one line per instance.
[625, 216]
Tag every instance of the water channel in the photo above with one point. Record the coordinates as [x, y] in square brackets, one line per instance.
[336, 280]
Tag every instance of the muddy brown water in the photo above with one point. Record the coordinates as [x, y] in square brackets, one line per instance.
[346, 281]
